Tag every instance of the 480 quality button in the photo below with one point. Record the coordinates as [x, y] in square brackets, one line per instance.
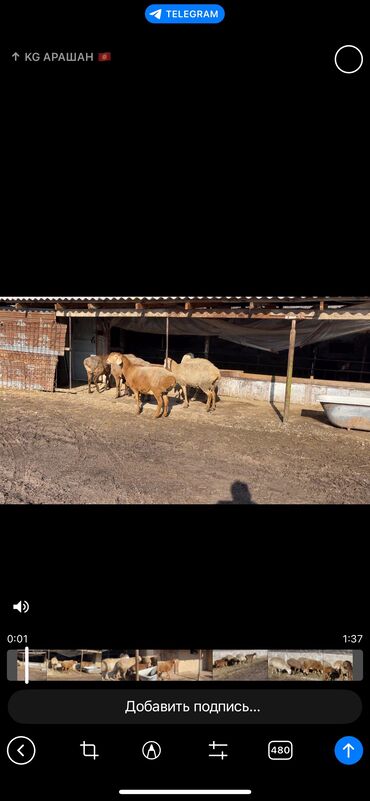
[185, 13]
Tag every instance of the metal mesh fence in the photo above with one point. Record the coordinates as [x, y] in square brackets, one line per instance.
[30, 344]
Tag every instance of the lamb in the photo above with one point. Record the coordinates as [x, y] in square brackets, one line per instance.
[152, 379]
[116, 365]
[198, 373]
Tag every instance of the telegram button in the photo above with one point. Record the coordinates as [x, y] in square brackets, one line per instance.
[185, 14]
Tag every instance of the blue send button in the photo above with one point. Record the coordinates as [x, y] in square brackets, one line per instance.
[185, 13]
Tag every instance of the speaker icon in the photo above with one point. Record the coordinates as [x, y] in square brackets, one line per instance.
[21, 606]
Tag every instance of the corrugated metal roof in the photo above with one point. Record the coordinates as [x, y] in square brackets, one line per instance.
[179, 297]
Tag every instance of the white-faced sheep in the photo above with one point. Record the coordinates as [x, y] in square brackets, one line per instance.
[116, 365]
[197, 373]
[153, 379]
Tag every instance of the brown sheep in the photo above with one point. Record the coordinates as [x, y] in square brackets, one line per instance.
[115, 361]
[330, 673]
[295, 665]
[96, 366]
[166, 668]
[311, 666]
[69, 664]
[347, 670]
[220, 663]
[146, 380]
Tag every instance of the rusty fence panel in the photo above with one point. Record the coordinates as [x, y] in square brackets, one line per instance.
[30, 343]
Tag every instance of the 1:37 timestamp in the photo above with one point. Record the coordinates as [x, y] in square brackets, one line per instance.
[352, 638]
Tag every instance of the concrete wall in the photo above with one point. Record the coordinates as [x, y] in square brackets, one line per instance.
[270, 388]
[329, 656]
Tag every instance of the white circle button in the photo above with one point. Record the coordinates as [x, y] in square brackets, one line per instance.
[346, 47]
[21, 750]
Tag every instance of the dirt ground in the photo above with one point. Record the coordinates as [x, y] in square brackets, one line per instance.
[61, 448]
[205, 675]
[257, 671]
[35, 673]
[72, 675]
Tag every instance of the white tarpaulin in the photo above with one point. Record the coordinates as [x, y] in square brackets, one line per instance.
[271, 335]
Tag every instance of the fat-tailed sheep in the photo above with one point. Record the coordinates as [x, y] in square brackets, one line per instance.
[198, 373]
[146, 380]
[115, 361]
[96, 366]
[278, 665]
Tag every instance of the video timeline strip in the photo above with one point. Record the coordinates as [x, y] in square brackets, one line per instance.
[95, 665]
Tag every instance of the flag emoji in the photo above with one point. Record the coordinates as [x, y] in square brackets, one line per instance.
[104, 56]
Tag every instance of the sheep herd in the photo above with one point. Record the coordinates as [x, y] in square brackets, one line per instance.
[229, 660]
[144, 378]
[340, 670]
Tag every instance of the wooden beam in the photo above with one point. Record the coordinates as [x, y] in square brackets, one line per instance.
[58, 307]
[213, 314]
[288, 385]
[322, 305]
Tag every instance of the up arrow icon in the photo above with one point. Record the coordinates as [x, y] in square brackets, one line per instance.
[15, 56]
[348, 747]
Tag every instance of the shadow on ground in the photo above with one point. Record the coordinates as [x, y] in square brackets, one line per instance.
[240, 495]
[320, 416]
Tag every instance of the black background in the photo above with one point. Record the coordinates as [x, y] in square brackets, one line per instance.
[197, 150]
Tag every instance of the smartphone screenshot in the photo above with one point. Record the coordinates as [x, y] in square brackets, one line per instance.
[185, 400]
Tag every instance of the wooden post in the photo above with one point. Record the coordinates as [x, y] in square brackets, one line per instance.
[288, 385]
[206, 347]
[200, 665]
[167, 330]
[82, 656]
[70, 350]
[137, 665]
